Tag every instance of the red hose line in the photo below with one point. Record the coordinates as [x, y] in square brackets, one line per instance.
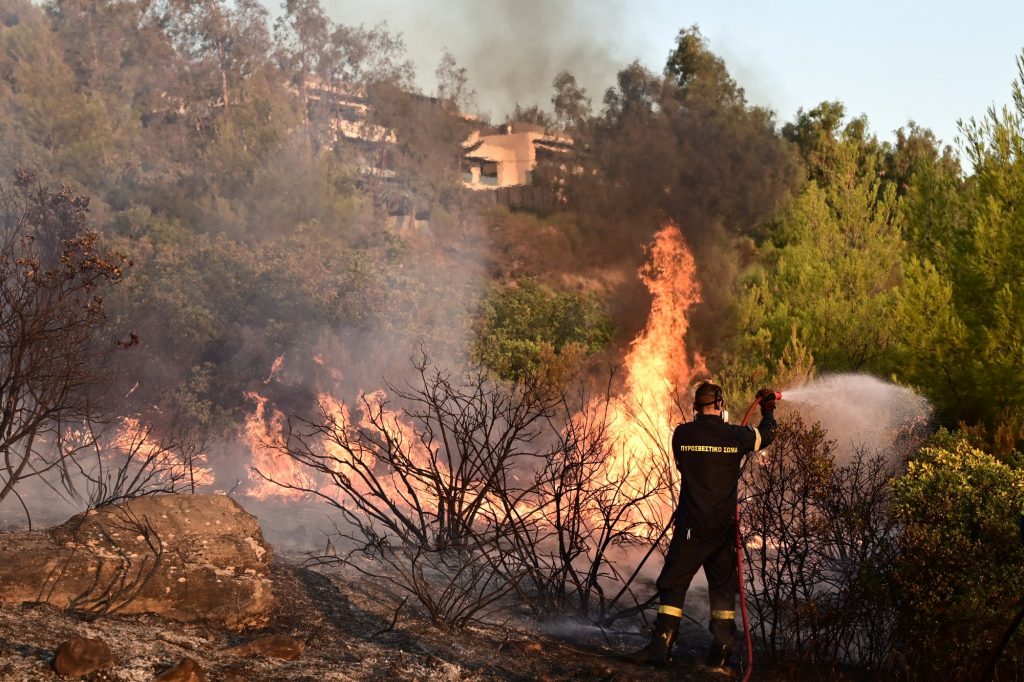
[739, 570]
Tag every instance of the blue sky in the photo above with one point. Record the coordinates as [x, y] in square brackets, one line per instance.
[933, 62]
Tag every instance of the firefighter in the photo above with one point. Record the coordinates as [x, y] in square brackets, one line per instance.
[708, 453]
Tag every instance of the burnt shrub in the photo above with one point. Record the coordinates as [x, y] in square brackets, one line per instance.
[818, 540]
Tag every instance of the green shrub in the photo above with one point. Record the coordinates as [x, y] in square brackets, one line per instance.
[529, 330]
[958, 574]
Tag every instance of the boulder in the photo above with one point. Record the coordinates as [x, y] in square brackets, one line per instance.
[269, 646]
[184, 557]
[80, 656]
[186, 670]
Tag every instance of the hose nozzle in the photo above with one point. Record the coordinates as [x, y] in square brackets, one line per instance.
[765, 397]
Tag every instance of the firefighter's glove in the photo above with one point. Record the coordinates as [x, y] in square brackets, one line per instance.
[767, 398]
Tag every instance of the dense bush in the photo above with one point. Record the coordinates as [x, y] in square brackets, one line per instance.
[958, 565]
[530, 329]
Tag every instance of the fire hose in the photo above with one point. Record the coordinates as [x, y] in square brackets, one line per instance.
[739, 556]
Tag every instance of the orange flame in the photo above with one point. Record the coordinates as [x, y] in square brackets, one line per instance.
[338, 414]
[275, 368]
[264, 437]
[133, 439]
[641, 419]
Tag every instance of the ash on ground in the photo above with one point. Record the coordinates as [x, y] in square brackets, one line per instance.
[351, 630]
[347, 624]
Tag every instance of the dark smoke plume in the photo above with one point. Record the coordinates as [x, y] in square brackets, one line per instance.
[512, 49]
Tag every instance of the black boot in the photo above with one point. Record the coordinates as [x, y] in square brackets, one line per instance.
[723, 629]
[718, 656]
[659, 649]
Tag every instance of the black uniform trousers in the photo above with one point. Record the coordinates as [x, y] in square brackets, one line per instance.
[716, 552]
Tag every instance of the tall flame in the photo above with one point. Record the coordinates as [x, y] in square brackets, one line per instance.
[657, 363]
[657, 369]
[275, 368]
[639, 420]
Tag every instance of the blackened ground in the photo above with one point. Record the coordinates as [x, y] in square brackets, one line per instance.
[348, 628]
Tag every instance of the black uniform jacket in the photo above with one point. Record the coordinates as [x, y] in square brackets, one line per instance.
[708, 454]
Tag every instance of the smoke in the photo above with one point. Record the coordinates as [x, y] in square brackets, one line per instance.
[861, 412]
[38, 504]
[512, 50]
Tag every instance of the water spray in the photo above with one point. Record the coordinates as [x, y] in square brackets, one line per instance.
[863, 414]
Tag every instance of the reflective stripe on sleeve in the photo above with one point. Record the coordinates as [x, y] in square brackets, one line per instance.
[723, 615]
[757, 439]
[670, 610]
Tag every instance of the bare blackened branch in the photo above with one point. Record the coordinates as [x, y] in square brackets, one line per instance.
[462, 492]
[818, 538]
